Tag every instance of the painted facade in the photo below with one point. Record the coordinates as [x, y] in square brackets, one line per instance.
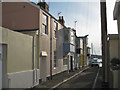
[116, 16]
[30, 19]
[79, 51]
[53, 45]
[18, 49]
[88, 55]
[113, 54]
[85, 43]
[69, 56]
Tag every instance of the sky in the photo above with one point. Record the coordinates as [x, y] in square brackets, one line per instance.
[87, 15]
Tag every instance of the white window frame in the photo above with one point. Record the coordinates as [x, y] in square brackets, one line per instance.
[72, 35]
[45, 24]
[55, 29]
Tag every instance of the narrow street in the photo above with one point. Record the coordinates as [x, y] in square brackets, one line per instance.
[65, 44]
[86, 79]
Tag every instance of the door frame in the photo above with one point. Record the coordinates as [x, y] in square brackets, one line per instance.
[71, 63]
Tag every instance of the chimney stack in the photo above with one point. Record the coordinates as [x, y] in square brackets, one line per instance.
[44, 5]
[61, 19]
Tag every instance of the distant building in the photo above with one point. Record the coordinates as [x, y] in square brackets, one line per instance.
[69, 48]
[88, 54]
[85, 45]
[79, 52]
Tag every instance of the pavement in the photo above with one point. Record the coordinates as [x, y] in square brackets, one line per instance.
[60, 78]
[99, 80]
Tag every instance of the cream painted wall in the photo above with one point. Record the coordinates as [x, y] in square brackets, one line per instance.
[44, 41]
[113, 46]
[36, 43]
[119, 32]
[19, 50]
[57, 45]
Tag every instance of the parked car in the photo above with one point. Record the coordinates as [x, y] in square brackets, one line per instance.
[100, 64]
[94, 62]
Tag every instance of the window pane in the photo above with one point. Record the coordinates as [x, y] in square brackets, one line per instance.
[65, 58]
[55, 59]
[55, 29]
[55, 25]
[44, 19]
[72, 33]
[72, 40]
[55, 33]
[43, 29]
[46, 30]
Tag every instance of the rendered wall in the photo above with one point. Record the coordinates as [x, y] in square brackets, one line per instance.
[44, 41]
[19, 51]
[19, 15]
[58, 46]
[113, 46]
[19, 61]
[113, 53]
[119, 35]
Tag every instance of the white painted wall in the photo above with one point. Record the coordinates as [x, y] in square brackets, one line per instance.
[0, 67]
[22, 79]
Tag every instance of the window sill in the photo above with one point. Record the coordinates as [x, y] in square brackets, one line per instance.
[43, 34]
[65, 65]
[54, 38]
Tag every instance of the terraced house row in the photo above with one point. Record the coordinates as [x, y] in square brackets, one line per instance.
[36, 46]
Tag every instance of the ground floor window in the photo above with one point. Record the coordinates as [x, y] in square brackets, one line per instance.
[65, 60]
[55, 59]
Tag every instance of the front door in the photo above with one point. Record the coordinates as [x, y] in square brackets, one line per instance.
[71, 61]
[43, 69]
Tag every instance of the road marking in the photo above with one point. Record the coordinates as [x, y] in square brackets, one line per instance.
[69, 78]
[95, 79]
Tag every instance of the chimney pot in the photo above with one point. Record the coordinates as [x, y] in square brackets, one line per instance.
[61, 20]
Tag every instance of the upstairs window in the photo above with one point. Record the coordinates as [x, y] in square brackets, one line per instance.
[55, 29]
[45, 24]
[72, 37]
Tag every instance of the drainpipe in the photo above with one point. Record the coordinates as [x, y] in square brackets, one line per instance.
[33, 60]
[104, 41]
[50, 50]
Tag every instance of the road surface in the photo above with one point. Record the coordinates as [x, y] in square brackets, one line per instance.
[86, 79]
